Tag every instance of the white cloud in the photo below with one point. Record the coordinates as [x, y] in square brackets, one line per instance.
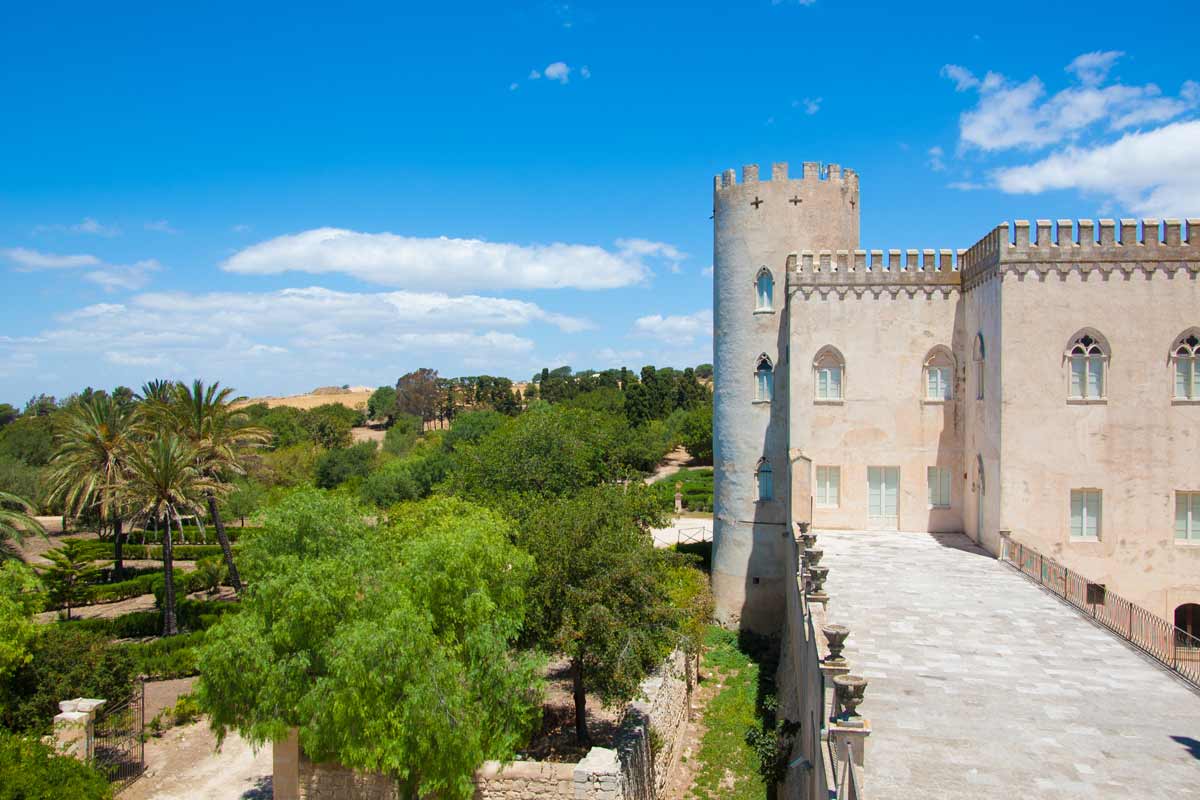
[707, 270]
[558, 71]
[641, 248]
[28, 260]
[161, 226]
[585, 72]
[936, 159]
[812, 105]
[1092, 68]
[88, 225]
[442, 263]
[1019, 115]
[129, 277]
[966, 186]
[512, 87]
[1155, 173]
[608, 357]
[963, 78]
[675, 329]
[534, 75]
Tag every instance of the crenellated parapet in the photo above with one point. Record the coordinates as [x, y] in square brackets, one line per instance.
[1084, 246]
[858, 271]
[811, 172]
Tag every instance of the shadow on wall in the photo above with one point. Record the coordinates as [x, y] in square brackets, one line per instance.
[952, 440]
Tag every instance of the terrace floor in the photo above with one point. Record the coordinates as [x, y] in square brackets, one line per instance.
[983, 685]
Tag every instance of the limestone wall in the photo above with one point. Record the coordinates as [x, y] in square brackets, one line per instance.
[647, 759]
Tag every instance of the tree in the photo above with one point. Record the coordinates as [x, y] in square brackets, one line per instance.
[8, 414]
[704, 371]
[403, 434]
[437, 596]
[335, 467]
[69, 575]
[163, 479]
[243, 499]
[382, 404]
[696, 433]
[471, 427]
[218, 435]
[43, 405]
[16, 521]
[29, 439]
[638, 404]
[93, 441]
[417, 393]
[21, 596]
[599, 592]
[547, 451]
[329, 425]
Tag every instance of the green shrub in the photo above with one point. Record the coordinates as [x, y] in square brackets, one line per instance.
[67, 661]
[171, 657]
[404, 479]
[403, 434]
[337, 466]
[30, 770]
[697, 489]
[191, 615]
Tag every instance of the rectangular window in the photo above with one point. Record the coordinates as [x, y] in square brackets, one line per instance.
[937, 383]
[1187, 516]
[829, 486]
[1085, 514]
[829, 383]
[1187, 378]
[939, 487]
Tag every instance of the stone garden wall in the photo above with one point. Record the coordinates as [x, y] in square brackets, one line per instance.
[636, 770]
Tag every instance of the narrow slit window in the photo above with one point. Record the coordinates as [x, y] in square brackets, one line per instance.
[1186, 354]
[764, 390]
[764, 291]
[766, 485]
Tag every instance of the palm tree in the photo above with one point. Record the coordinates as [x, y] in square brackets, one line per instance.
[16, 521]
[89, 461]
[162, 480]
[218, 434]
[158, 390]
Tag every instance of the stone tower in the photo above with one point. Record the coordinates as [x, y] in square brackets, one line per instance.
[756, 226]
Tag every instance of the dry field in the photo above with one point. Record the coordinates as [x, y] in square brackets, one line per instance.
[354, 397]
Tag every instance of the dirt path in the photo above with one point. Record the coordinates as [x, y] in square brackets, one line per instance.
[143, 602]
[675, 460]
[163, 694]
[184, 764]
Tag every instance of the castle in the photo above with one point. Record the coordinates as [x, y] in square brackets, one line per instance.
[1043, 382]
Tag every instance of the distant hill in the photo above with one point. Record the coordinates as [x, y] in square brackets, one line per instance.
[354, 397]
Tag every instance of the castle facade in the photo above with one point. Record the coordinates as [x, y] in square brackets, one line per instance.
[1044, 381]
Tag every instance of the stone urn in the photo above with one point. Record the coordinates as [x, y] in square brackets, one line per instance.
[813, 557]
[808, 540]
[816, 579]
[835, 635]
[850, 689]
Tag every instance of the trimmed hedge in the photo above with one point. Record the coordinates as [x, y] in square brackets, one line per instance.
[148, 583]
[191, 615]
[170, 657]
[104, 551]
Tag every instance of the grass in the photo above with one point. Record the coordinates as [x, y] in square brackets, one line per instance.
[729, 767]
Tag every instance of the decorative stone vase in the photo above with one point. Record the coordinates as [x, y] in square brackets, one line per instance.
[851, 689]
[808, 540]
[813, 557]
[835, 635]
[816, 579]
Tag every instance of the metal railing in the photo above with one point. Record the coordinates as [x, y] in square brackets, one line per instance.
[1173, 647]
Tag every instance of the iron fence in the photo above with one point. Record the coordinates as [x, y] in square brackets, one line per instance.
[1173, 647]
[118, 748]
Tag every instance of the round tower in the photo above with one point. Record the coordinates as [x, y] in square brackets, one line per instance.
[756, 225]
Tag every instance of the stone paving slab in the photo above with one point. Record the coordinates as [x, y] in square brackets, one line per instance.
[982, 685]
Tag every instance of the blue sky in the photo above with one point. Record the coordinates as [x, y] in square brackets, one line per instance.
[287, 196]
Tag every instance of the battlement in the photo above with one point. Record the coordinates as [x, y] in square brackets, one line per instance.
[870, 267]
[1128, 241]
[811, 172]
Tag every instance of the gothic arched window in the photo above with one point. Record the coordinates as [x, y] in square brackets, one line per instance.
[829, 370]
[766, 480]
[764, 380]
[1186, 354]
[764, 291]
[1088, 357]
[939, 374]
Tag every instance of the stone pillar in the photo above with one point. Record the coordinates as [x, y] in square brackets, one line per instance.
[285, 767]
[598, 776]
[73, 727]
[849, 741]
[678, 497]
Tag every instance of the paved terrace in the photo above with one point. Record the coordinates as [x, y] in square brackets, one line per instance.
[983, 685]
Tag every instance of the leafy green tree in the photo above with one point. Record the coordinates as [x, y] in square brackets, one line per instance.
[8, 414]
[16, 521]
[31, 770]
[401, 479]
[382, 404]
[599, 594]
[327, 427]
[471, 427]
[547, 451]
[65, 661]
[638, 404]
[162, 481]
[218, 435]
[437, 597]
[244, 499]
[704, 372]
[93, 442]
[17, 477]
[335, 467]
[69, 575]
[29, 438]
[43, 405]
[288, 466]
[403, 434]
[21, 596]
[696, 433]
[605, 399]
